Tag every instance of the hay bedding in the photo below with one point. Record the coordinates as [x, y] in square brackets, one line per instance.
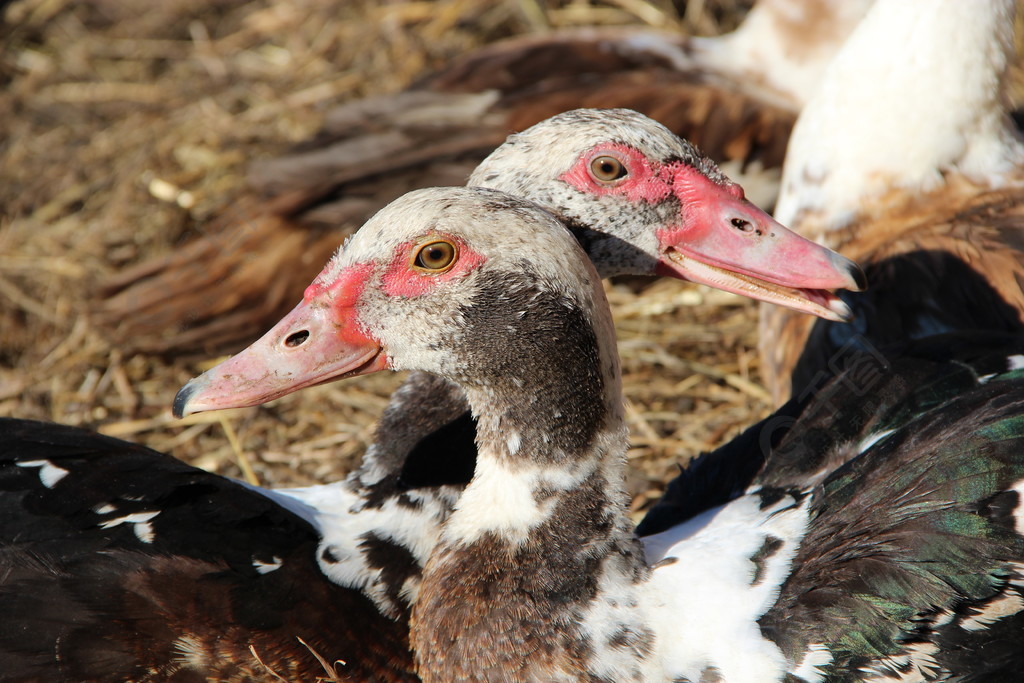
[125, 125]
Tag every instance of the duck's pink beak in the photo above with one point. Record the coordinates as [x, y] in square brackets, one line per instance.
[318, 341]
[728, 243]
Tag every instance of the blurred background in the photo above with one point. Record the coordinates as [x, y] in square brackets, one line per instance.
[126, 126]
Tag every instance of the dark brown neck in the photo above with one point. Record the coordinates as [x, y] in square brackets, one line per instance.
[537, 536]
[540, 537]
[509, 604]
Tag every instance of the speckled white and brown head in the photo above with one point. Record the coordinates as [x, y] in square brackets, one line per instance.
[492, 293]
[467, 283]
[643, 201]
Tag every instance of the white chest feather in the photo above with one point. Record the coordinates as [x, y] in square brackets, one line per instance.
[506, 502]
[713, 578]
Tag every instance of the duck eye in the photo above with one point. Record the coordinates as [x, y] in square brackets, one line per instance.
[608, 169]
[436, 256]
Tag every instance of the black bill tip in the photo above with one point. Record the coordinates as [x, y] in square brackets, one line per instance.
[181, 400]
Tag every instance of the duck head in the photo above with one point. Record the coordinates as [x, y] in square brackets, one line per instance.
[643, 201]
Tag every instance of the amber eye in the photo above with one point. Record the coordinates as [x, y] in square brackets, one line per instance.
[436, 256]
[608, 169]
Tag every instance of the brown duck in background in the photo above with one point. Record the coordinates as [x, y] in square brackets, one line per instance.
[736, 96]
[908, 162]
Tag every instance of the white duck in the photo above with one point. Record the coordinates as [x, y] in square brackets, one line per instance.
[907, 160]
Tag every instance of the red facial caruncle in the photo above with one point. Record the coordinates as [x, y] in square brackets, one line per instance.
[343, 289]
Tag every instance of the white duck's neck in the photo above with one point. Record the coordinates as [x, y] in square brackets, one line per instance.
[538, 567]
[914, 97]
[783, 44]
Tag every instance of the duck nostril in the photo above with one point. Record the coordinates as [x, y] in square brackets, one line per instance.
[741, 224]
[296, 338]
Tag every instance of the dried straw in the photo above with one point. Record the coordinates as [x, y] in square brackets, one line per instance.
[126, 124]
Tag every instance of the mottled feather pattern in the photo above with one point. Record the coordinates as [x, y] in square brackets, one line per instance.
[912, 463]
[224, 570]
[418, 443]
[921, 518]
[470, 595]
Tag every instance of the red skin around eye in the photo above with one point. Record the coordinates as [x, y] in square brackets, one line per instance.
[646, 181]
[402, 279]
[651, 182]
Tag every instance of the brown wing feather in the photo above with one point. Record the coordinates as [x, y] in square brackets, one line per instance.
[518, 64]
[983, 230]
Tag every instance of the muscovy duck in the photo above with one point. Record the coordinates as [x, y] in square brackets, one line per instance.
[864, 572]
[924, 184]
[927, 369]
